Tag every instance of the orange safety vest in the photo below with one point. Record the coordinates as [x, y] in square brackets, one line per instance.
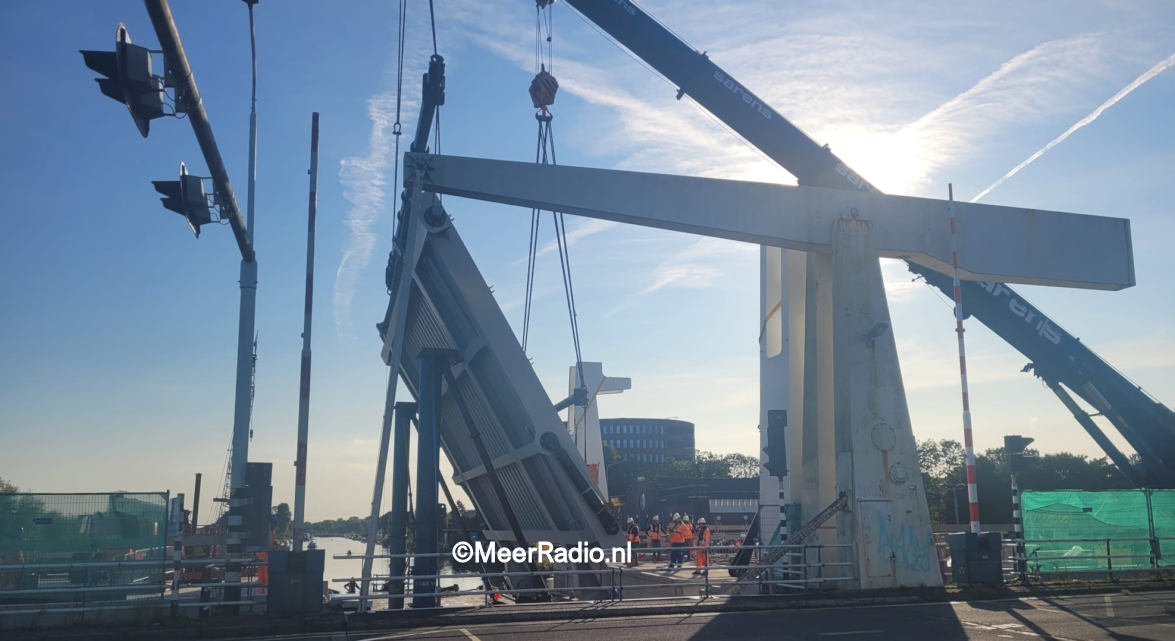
[704, 536]
[675, 534]
[634, 534]
[655, 531]
[687, 531]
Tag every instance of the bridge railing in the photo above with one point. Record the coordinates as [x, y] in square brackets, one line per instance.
[147, 586]
[803, 567]
[1088, 558]
[1042, 560]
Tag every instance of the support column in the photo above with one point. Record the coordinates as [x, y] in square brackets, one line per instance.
[888, 524]
[817, 441]
[426, 528]
[398, 537]
[773, 382]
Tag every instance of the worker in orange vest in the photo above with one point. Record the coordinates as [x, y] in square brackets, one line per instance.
[655, 533]
[676, 541]
[687, 531]
[702, 536]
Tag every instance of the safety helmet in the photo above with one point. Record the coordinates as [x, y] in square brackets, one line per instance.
[702, 521]
[685, 518]
[676, 515]
[656, 517]
[630, 519]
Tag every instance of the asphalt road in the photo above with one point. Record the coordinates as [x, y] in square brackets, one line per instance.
[1119, 617]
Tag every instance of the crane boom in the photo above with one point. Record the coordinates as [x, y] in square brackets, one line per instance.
[1056, 355]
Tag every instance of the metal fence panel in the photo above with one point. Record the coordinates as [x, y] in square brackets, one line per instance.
[86, 531]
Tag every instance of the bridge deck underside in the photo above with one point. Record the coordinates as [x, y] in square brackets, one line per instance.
[548, 488]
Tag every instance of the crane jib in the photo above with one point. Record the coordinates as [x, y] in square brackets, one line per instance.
[1147, 424]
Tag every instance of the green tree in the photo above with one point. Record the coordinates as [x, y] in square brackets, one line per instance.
[283, 519]
[742, 466]
[705, 465]
[943, 472]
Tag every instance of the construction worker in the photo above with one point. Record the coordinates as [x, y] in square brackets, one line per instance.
[676, 541]
[687, 531]
[655, 533]
[634, 537]
[702, 536]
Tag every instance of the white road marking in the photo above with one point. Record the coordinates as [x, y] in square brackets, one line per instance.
[1109, 607]
[472, 636]
[1008, 627]
[405, 635]
[841, 634]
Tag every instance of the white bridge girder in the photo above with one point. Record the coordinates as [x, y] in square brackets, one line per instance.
[996, 243]
[440, 301]
[825, 318]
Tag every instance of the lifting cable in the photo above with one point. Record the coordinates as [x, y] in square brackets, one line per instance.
[542, 95]
[432, 19]
[397, 127]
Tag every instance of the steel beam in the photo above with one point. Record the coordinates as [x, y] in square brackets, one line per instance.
[996, 243]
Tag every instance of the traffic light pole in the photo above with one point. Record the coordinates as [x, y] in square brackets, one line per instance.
[1018, 530]
[177, 63]
[181, 72]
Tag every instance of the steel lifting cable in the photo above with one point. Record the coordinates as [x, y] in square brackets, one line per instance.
[542, 94]
[397, 127]
[432, 19]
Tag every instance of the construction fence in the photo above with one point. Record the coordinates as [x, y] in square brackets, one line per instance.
[1079, 531]
[86, 533]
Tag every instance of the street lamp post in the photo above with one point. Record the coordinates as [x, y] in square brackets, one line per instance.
[955, 498]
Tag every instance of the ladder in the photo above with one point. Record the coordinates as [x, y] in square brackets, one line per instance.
[806, 530]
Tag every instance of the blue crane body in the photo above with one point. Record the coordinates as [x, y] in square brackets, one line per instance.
[1056, 356]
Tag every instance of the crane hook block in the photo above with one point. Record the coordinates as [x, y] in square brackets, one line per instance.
[542, 89]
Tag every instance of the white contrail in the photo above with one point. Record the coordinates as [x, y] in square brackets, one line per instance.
[363, 182]
[1138, 82]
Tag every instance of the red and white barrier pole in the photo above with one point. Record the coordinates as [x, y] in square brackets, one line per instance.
[972, 488]
[304, 386]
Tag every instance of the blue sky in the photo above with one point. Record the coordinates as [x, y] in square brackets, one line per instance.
[117, 329]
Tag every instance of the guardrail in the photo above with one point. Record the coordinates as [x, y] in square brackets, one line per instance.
[1109, 556]
[1045, 560]
[110, 586]
[802, 567]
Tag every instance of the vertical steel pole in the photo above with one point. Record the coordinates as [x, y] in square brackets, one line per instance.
[377, 491]
[196, 502]
[972, 487]
[243, 402]
[398, 537]
[304, 386]
[177, 552]
[424, 532]
[1156, 551]
[1018, 530]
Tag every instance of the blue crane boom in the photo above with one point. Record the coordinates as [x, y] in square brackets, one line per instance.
[1057, 357]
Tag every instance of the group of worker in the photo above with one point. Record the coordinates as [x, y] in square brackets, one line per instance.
[682, 536]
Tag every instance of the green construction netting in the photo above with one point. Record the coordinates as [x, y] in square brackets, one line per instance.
[48, 528]
[1080, 527]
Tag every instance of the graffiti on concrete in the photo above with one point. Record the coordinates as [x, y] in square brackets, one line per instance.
[910, 550]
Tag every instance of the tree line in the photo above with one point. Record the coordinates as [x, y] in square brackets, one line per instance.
[705, 465]
[945, 480]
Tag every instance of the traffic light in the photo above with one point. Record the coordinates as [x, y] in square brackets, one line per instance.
[128, 78]
[776, 449]
[186, 198]
[1014, 445]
